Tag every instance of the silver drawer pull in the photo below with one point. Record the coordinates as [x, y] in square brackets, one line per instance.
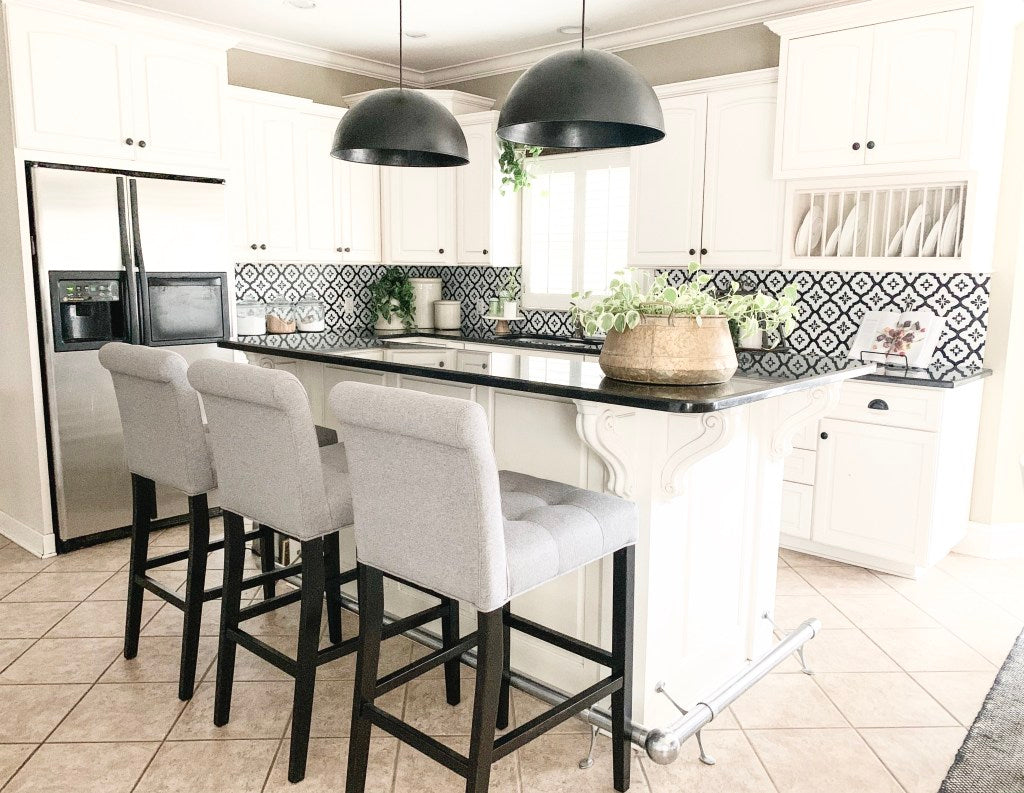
[878, 404]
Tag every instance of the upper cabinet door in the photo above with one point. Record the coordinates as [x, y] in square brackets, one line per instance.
[320, 190]
[177, 102]
[71, 81]
[919, 89]
[742, 201]
[826, 83]
[359, 211]
[667, 188]
[276, 178]
[420, 206]
[242, 207]
[474, 187]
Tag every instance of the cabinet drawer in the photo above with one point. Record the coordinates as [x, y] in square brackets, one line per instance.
[807, 437]
[892, 406]
[799, 467]
[797, 500]
[439, 358]
[478, 362]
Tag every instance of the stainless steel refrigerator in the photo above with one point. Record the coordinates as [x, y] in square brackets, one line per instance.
[119, 257]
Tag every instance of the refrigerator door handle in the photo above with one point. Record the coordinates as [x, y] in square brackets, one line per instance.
[140, 263]
[131, 287]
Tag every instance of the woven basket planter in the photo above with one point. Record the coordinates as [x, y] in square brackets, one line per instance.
[671, 351]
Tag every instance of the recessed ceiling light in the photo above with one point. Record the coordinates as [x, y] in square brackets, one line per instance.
[573, 30]
[415, 34]
[302, 5]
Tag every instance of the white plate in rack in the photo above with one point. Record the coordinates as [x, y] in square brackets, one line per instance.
[855, 230]
[950, 230]
[931, 242]
[912, 236]
[809, 234]
[896, 243]
[833, 243]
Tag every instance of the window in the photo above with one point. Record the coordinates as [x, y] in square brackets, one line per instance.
[575, 224]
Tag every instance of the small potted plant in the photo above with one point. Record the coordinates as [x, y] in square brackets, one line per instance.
[507, 297]
[678, 335]
[392, 301]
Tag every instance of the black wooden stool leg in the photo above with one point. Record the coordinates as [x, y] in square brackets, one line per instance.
[489, 654]
[195, 589]
[623, 574]
[143, 512]
[267, 552]
[231, 603]
[305, 661]
[371, 621]
[332, 569]
[450, 637]
[506, 668]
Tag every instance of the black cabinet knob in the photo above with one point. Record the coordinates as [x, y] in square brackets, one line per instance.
[130, 141]
[263, 247]
[485, 251]
[338, 250]
[693, 251]
[878, 404]
[856, 147]
[142, 144]
[441, 364]
[871, 144]
[440, 250]
[483, 366]
[254, 246]
[703, 251]
[348, 250]
[824, 436]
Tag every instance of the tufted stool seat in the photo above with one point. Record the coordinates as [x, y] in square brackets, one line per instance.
[552, 528]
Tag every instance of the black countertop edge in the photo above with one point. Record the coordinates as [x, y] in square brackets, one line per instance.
[542, 345]
[922, 378]
[615, 393]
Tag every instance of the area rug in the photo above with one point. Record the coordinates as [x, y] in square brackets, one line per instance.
[991, 759]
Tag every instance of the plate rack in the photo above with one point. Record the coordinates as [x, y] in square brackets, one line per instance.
[913, 226]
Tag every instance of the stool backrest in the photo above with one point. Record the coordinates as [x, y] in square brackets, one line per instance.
[425, 490]
[264, 445]
[164, 438]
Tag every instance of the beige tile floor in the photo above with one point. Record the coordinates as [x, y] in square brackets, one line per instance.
[901, 669]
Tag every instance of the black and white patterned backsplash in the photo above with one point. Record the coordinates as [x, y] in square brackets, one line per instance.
[831, 304]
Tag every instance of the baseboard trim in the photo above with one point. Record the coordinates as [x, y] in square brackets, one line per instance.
[993, 540]
[42, 545]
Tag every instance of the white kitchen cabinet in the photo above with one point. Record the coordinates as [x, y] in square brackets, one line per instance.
[90, 87]
[706, 192]
[277, 214]
[743, 202]
[419, 215]
[487, 222]
[797, 502]
[872, 98]
[359, 208]
[667, 187]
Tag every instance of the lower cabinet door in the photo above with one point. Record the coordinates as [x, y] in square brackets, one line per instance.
[873, 488]
[797, 500]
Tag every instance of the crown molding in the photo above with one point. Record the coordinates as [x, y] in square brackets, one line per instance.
[868, 12]
[706, 84]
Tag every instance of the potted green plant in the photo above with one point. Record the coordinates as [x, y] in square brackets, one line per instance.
[678, 335]
[508, 296]
[513, 162]
[392, 301]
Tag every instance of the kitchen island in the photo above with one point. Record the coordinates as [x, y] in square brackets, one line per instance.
[703, 463]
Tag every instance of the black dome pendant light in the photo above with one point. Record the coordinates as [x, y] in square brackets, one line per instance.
[581, 99]
[394, 126]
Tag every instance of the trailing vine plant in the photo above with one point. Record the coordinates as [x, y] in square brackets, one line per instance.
[514, 161]
[393, 295]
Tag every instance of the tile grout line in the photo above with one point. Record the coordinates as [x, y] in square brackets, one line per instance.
[757, 755]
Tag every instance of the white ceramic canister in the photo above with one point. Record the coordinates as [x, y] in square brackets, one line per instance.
[447, 314]
[426, 291]
[250, 318]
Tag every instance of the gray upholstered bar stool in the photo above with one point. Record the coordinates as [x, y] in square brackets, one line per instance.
[432, 508]
[270, 469]
[165, 442]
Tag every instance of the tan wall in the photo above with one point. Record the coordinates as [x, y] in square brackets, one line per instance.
[709, 55]
[282, 76]
[24, 481]
[998, 490]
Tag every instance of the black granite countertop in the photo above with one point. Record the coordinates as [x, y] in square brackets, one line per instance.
[760, 376]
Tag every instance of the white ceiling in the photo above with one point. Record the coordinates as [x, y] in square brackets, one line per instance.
[464, 37]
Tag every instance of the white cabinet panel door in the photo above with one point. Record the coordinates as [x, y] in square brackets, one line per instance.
[320, 190]
[919, 88]
[667, 188]
[797, 501]
[873, 488]
[743, 203]
[474, 187]
[359, 209]
[276, 178]
[827, 80]
[242, 205]
[71, 81]
[177, 102]
[420, 219]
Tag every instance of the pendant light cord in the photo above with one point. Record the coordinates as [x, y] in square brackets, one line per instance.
[583, 24]
[400, 81]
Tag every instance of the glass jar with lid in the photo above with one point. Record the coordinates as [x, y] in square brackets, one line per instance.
[310, 315]
[280, 317]
[250, 318]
